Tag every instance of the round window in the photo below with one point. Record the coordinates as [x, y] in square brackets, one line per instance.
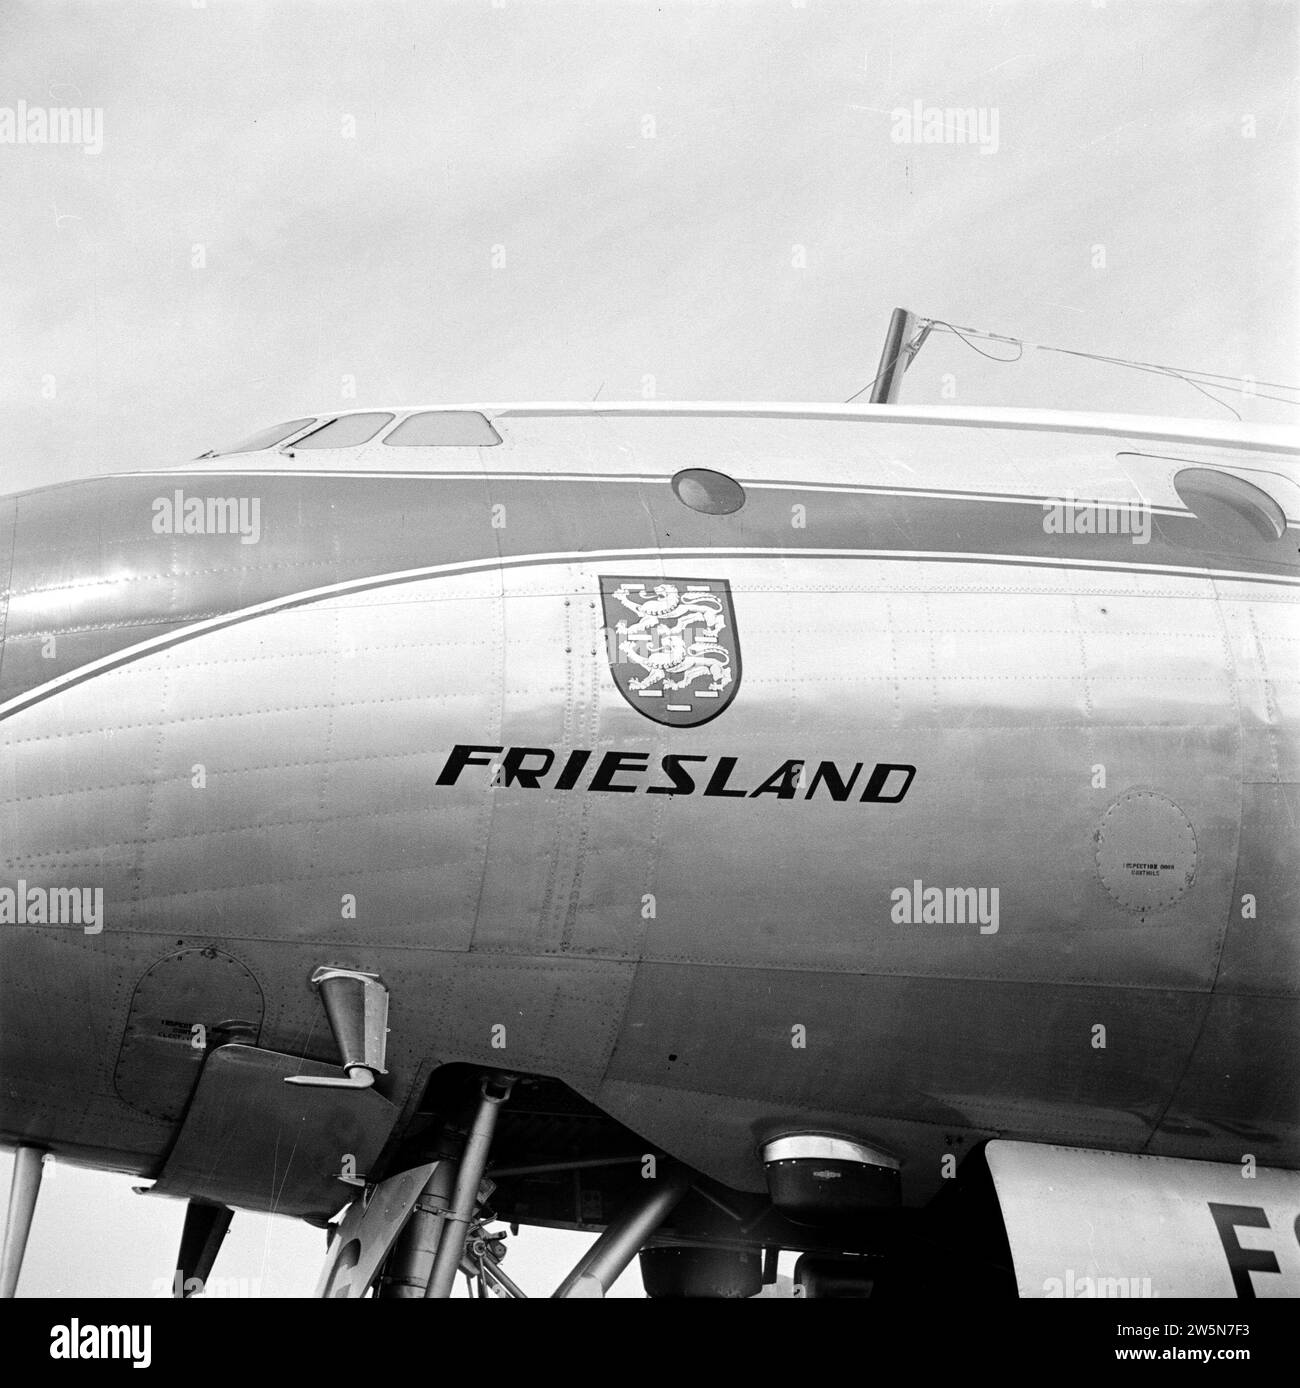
[714, 493]
[1233, 508]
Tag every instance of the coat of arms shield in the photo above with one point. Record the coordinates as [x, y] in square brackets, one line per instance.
[673, 648]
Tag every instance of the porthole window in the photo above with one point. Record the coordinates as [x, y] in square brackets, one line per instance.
[714, 493]
[1233, 508]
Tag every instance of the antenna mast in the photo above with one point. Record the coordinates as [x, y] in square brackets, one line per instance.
[902, 342]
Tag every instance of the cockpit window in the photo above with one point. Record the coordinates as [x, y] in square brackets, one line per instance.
[438, 428]
[266, 438]
[347, 431]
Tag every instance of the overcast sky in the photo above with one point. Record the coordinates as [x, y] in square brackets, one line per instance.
[312, 206]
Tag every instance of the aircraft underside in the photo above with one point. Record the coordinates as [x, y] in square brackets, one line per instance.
[484, 1149]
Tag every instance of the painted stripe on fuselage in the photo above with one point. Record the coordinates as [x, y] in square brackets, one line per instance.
[656, 479]
[356, 533]
[645, 478]
[189, 633]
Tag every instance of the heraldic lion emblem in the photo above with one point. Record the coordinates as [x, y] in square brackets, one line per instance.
[672, 644]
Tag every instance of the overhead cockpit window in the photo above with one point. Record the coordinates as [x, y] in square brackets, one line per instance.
[714, 493]
[1233, 508]
[347, 431]
[444, 428]
[266, 438]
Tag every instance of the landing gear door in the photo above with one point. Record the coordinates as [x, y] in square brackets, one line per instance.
[1111, 1224]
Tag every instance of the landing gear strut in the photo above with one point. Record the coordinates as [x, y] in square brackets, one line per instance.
[493, 1092]
[416, 1230]
[407, 1272]
[26, 1186]
[604, 1261]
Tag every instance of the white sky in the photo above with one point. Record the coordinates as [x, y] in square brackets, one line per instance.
[330, 260]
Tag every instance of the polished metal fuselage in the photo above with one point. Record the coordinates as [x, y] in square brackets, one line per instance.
[241, 744]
